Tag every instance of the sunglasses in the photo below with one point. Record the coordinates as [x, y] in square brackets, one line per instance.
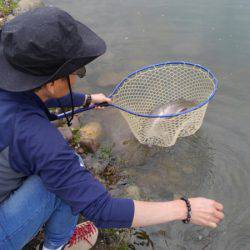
[80, 72]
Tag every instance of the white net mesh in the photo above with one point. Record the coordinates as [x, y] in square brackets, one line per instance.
[145, 90]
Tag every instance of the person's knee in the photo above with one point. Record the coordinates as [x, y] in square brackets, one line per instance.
[34, 187]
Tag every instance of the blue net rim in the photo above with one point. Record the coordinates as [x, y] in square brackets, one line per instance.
[215, 81]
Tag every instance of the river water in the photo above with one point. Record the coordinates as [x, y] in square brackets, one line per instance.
[215, 161]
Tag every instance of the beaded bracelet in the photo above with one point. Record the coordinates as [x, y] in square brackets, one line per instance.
[187, 220]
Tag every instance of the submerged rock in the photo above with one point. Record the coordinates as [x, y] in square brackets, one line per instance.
[90, 136]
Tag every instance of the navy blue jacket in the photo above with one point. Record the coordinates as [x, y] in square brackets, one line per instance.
[31, 145]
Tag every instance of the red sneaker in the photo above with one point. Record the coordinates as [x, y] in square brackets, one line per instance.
[84, 237]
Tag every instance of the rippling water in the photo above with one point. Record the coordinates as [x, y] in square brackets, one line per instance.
[215, 161]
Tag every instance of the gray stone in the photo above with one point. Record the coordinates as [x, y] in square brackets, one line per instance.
[122, 182]
[133, 192]
[116, 192]
[98, 167]
[66, 132]
[26, 5]
[94, 164]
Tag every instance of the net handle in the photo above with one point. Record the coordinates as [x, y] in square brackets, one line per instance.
[80, 110]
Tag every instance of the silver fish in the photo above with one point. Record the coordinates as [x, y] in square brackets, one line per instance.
[170, 108]
[174, 107]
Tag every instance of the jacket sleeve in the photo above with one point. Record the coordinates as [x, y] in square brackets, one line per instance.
[78, 100]
[39, 148]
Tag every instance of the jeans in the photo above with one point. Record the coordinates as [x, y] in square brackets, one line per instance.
[27, 210]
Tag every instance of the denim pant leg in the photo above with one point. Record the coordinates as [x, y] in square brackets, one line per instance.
[27, 210]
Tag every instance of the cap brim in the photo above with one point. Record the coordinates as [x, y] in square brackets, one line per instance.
[17, 81]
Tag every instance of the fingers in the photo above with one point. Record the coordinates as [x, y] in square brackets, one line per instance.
[212, 224]
[215, 215]
[207, 223]
[218, 206]
[213, 218]
[206, 212]
[108, 100]
[99, 98]
[219, 215]
[98, 108]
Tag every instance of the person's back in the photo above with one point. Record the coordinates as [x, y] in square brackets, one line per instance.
[10, 179]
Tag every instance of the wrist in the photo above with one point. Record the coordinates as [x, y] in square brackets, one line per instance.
[181, 209]
[87, 100]
[92, 99]
[189, 213]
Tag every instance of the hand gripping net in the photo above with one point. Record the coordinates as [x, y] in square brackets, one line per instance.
[144, 90]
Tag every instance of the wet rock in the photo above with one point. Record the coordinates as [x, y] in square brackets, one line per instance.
[75, 122]
[122, 182]
[90, 136]
[189, 169]
[116, 192]
[94, 164]
[98, 167]
[1, 14]
[26, 5]
[66, 132]
[133, 192]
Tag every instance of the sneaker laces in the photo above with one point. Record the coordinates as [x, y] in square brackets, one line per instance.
[82, 232]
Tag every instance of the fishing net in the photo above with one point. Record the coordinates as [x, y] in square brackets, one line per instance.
[144, 90]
